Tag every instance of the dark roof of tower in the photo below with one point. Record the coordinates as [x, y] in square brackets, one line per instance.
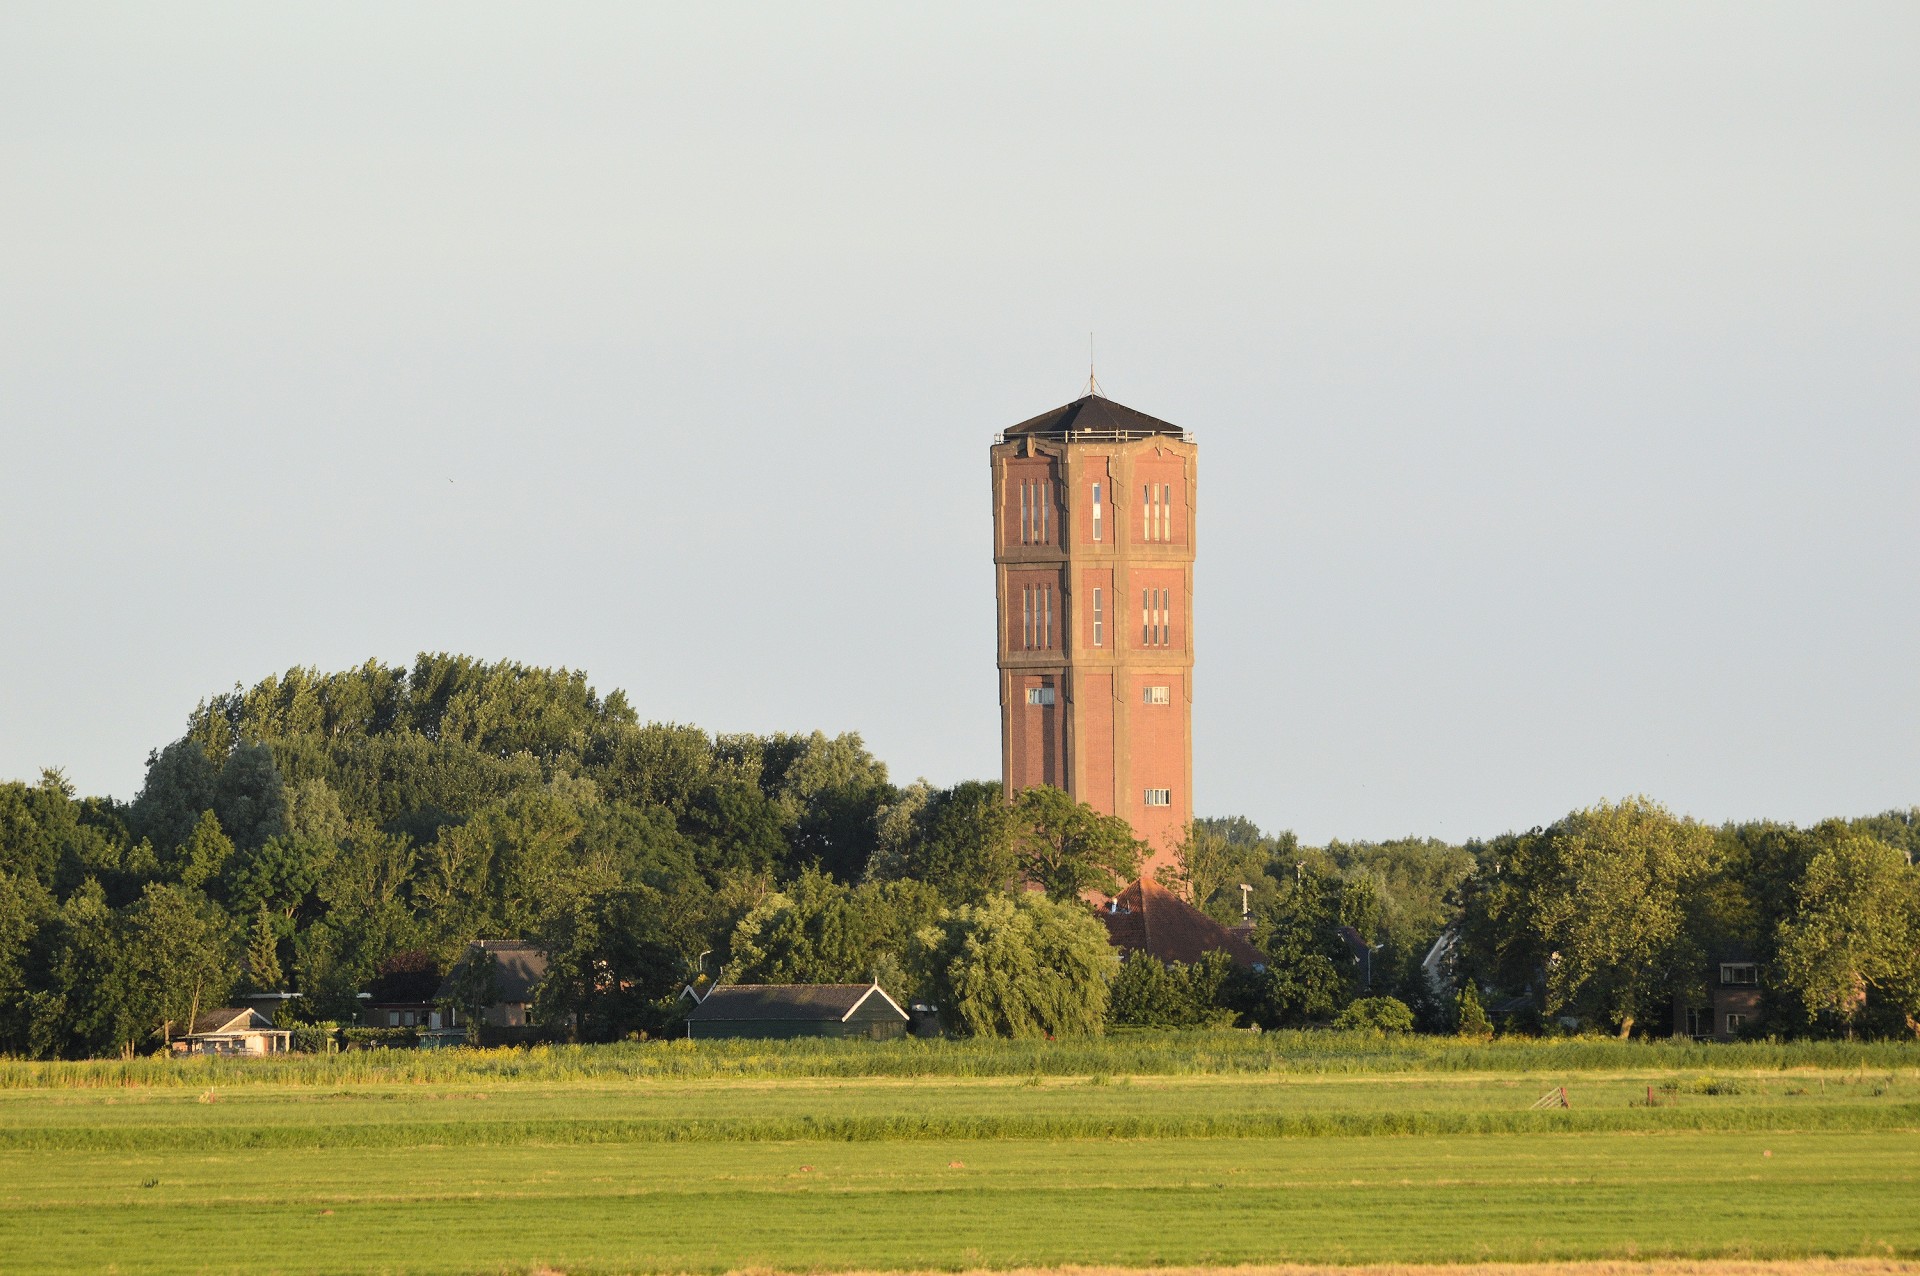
[1096, 414]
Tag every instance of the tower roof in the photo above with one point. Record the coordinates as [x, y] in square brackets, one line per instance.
[1098, 417]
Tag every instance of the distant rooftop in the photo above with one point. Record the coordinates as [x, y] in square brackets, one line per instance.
[1095, 419]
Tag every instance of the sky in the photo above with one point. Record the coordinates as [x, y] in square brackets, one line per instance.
[1553, 369]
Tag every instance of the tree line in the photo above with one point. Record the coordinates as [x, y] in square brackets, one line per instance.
[317, 830]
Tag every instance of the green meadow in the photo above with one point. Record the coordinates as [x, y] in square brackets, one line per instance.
[1157, 1149]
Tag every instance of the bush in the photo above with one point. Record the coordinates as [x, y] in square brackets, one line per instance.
[1469, 1015]
[1376, 1014]
[313, 1038]
[1149, 993]
[379, 1038]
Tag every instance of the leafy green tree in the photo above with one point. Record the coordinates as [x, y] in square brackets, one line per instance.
[1069, 849]
[249, 796]
[474, 987]
[1854, 928]
[1376, 1014]
[200, 858]
[179, 959]
[263, 973]
[180, 785]
[1309, 967]
[1021, 967]
[1594, 909]
[79, 985]
[26, 908]
[834, 790]
[1149, 993]
[960, 841]
[818, 930]
[615, 964]
[1218, 856]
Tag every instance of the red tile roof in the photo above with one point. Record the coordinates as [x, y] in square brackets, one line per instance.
[1150, 918]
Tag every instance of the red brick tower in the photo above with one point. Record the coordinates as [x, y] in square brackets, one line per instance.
[1093, 507]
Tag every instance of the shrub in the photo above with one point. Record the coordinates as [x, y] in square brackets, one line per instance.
[1470, 1016]
[313, 1038]
[1376, 1014]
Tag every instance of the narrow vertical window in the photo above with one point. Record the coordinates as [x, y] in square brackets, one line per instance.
[1096, 511]
[1023, 511]
[1146, 618]
[1098, 616]
[1026, 618]
[1045, 491]
[1047, 593]
[1166, 511]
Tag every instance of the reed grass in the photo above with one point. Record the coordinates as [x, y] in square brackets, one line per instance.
[1323, 1053]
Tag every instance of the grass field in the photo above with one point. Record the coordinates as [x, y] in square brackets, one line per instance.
[1135, 1152]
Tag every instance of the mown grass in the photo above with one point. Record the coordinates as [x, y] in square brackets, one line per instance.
[786, 1158]
[1133, 1054]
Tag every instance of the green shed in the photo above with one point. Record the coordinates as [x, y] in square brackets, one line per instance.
[797, 1010]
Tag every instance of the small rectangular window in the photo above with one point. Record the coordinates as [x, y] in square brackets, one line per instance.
[1734, 1022]
[1044, 491]
[1046, 600]
[1159, 797]
[1096, 511]
[1158, 695]
[1739, 973]
[1099, 616]
[1146, 618]
[1039, 695]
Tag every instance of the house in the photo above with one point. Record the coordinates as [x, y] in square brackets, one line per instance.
[404, 994]
[518, 968]
[238, 1030]
[1147, 917]
[1731, 1003]
[796, 1010]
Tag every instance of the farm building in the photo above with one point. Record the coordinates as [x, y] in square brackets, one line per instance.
[233, 1030]
[797, 1010]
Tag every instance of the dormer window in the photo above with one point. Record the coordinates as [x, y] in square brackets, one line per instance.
[1739, 973]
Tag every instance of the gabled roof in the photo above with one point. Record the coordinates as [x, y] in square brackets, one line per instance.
[1096, 414]
[814, 1003]
[1152, 919]
[230, 1019]
[518, 968]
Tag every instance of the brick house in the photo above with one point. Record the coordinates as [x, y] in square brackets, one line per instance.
[1146, 917]
[1731, 1003]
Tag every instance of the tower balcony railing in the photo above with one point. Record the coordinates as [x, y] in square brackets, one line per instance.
[1099, 436]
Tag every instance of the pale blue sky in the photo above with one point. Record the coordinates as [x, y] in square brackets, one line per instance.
[1554, 371]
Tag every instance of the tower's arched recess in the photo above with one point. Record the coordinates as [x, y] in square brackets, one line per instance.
[1094, 527]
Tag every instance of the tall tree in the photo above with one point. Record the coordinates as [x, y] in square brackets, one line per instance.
[1068, 848]
[1854, 928]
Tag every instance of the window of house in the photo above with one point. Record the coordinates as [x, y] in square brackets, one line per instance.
[1739, 973]
[1158, 695]
[1039, 695]
[1099, 613]
[1159, 797]
[407, 1020]
[1096, 511]
[1734, 1022]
